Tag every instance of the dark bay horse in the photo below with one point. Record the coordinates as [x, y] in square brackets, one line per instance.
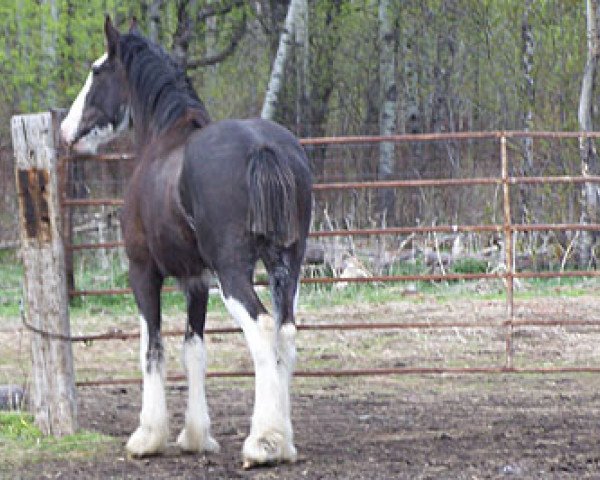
[205, 199]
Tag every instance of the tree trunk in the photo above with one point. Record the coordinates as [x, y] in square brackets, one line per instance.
[321, 82]
[528, 47]
[412, 109]
[285, 40]
[154, 16]
[388, 100]
[181, 36]
[587, 149]
[49, 42]
[302, 63]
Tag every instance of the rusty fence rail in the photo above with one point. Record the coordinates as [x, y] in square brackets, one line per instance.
[507, 228]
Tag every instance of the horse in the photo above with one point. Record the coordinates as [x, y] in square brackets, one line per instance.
[205, 200]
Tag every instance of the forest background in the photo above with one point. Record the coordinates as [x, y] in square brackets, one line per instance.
[353, 67]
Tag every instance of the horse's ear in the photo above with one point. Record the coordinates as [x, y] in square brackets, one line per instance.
[112, 37]
[133, 27]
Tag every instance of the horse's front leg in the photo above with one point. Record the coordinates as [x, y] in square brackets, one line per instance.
[151, 436]
[195, 436]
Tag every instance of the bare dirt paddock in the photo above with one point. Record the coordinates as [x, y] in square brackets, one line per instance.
[396, 427]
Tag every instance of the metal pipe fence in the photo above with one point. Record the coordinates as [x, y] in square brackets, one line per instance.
[506, 228]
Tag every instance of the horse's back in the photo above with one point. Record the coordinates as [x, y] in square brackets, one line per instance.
[226, 141]
[215, 187]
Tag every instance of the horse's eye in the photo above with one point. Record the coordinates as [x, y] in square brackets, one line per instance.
[95, 70]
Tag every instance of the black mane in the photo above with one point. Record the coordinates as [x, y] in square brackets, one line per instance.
[161, 91]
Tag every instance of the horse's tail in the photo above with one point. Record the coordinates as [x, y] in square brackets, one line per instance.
[273, 211]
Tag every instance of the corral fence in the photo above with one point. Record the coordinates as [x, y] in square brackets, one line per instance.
[504, 230]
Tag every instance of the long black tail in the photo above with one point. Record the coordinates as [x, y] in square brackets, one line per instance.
[273, 211]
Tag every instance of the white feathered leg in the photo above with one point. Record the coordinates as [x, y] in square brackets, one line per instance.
[152, 434]
[268, 440]
[285, 368]
[195, 436]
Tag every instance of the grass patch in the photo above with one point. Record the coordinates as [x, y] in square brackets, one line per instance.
[22, 443]
[11, 279]
[313, 297]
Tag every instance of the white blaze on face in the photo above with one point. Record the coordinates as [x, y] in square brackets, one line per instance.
[70, 125]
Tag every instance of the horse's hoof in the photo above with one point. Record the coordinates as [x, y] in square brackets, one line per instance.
[267, 450]
[146, 442]
[194, 444]
[249, 464]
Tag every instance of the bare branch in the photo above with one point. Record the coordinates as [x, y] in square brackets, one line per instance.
[218, 9]
[236, 36]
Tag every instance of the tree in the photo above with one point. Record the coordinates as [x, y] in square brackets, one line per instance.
[528, 49]
[587, 148]
[194, 24]
[388, 102]
[296, 8]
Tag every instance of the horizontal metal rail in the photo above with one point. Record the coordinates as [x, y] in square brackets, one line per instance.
[361, 372]
[556, 227]
[448, 182]
[91, 202]
[444, 182]
[352, 326]
[427, 137]
[384, 278]
[369, 139]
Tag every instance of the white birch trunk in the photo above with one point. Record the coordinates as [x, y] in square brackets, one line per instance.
[587, 149]
[388, 97]
[285, 40]
[528, 46]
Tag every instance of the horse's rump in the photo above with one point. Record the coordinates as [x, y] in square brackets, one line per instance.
[251, 174]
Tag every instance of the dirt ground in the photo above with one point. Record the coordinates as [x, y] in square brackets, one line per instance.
[395, 427]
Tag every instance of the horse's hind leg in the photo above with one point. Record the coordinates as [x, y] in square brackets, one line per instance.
[268, 439]
[283, 266]
[195, 436]
[151, 436]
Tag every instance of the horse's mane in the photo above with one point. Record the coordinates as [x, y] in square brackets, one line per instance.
[161, 92]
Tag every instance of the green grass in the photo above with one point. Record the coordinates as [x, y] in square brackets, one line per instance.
[312, 297]
[22, 443]
[469, 265]
[11, 280]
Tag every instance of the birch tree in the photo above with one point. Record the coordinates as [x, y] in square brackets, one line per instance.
[154, 19]
[528, 47]
[388, 98]
[283, 50]
[587, 149]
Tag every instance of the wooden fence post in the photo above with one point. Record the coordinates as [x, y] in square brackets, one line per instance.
[52, 393]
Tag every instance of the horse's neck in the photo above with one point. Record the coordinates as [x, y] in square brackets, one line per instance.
[153, 146]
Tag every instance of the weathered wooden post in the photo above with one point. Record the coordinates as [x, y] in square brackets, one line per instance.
[53, 394]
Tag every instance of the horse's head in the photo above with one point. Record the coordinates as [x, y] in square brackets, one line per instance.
[101, 110]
